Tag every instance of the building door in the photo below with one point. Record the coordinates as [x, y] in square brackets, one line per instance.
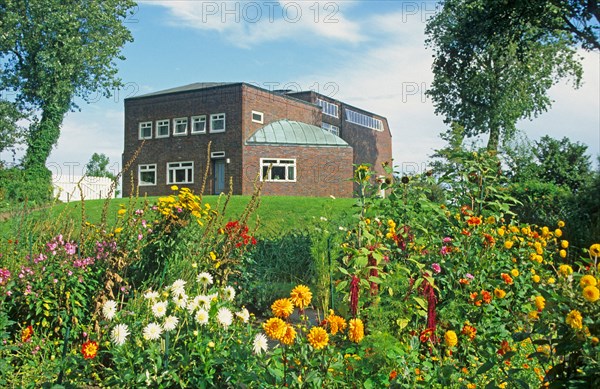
[219, 169]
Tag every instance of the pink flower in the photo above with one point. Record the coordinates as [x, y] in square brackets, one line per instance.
[469, 276]
[447, 239]
[140, 236]
[436, 267]
[445, 250]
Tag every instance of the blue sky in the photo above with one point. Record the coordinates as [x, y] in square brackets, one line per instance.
[368, 53]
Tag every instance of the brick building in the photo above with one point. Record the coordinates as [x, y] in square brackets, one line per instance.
[302, 143]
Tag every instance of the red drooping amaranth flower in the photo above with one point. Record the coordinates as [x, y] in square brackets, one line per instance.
[429, 293]
[354, 295]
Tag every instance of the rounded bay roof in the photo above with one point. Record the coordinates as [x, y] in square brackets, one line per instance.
[289, 132]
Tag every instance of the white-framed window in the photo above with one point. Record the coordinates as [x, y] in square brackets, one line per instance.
[257, 117]
[147, 175]
[180, 172]
[199, 124]
[217, 122]
[162, 128]
[335, 130]
[280, 169]
[364, 120]
[217, 154]
[180, 126]
[328, 108]
[145, 130]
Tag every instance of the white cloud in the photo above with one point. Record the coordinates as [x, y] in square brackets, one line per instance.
[97, 129]
[390, 79]
[248, 23]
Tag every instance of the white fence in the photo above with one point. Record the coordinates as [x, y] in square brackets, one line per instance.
[66, 187]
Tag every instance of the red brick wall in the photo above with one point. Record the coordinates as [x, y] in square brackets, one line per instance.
[189, 147]
[320, 171]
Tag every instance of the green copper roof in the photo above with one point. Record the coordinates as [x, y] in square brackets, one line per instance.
[288, 132]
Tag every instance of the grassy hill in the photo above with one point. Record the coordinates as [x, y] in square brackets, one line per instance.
[275, 215]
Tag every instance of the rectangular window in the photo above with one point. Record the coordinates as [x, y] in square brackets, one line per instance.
[335, 130]
[180, 173]
[145, 130]
[199, 124]
[364, 120]
[328, 108]
[162, 128]
[280, 169]
[217, 122]
[257, 117]
[180, 126]
[147, 175]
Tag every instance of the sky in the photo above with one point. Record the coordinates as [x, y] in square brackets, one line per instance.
[370, 54]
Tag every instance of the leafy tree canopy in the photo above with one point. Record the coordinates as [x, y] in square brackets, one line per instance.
[52, 51]
[97, 166]
[492, 66]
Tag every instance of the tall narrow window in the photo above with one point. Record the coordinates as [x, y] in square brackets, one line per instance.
[162, 128]
[180, 126]
[199, 124]
[328, 108]
[147, 175]
[278, 169]
[217, 122]
[145, 130]
[180, 173]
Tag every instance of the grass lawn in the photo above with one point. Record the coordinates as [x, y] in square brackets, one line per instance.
[275, 215]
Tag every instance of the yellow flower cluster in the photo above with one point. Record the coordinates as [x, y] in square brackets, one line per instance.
[575, 320]
[450, 338]
[356, 330]
[590, 291]
[301, 296]
[174, 207]
[318, 338]
[336, 323]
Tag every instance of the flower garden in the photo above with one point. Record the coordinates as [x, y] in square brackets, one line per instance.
[416, 291]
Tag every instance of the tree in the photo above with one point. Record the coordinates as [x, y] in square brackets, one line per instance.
[563, 162]
[578, 18]
[97, 165]
[52, 51]
[487, 77]
[11, 133]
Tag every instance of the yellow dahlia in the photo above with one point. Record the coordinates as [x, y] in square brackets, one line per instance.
[558, 232]
[289, 336]
[336, 323]
[565, 270]
[275, 328]
[301, 296]
[450, 338]
[536, 278]
[508, 244]
[595, 250]
[561, 223]
[282, 308]
[574, 319]
[564, 244]
[540, 302]
[514, 272]
[499, 293]
[318, 337]
[356, 330]
[591, 293]
[588, 280]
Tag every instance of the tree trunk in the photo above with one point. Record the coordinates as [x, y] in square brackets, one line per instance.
[494, 140]
[43, 136]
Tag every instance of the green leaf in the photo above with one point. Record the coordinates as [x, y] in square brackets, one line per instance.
[485, 367]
